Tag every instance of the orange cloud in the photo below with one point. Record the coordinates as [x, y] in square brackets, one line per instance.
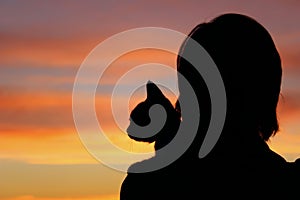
[25, 112]
[44, 51]
[288, 47]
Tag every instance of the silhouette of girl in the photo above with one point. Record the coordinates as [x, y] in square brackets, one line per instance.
[250, 66]
[241, 165]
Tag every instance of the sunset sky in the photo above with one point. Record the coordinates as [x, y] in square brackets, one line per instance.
[43, 44]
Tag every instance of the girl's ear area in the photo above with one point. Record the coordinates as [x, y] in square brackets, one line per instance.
[153, 92]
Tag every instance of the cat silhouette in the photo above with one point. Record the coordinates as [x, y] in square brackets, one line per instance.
[140, 116]
[131, 187]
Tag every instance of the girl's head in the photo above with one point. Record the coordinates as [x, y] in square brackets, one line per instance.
[250, 66]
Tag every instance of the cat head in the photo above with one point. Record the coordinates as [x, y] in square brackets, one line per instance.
[140, 116]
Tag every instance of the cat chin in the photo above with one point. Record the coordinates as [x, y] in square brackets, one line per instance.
[138, 139]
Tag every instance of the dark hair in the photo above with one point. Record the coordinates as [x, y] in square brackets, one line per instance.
[250, 66]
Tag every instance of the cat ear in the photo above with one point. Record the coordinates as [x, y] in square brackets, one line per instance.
[153, 92]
